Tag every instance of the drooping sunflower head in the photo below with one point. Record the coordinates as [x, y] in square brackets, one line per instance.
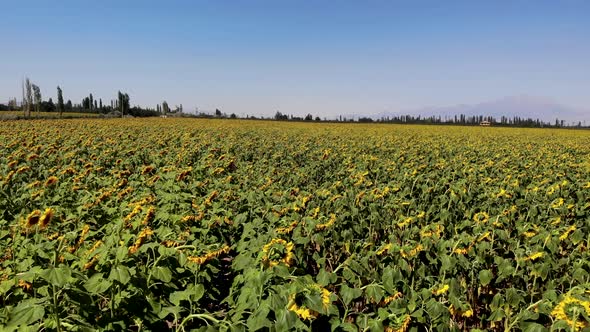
[33, 219]
[51, 181]
[301, 311]
[306, 302]
[481, 217]
[399, 324]
[46, 217]
[572, 310]
[278, 251]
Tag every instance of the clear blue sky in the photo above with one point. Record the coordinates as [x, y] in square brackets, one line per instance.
[299, 57]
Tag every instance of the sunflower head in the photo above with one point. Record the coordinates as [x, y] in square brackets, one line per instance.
[46, 217]
[572, 310]
[51, 181]
[481, 217]
[301, 304]
[33, 219]
[278, 251]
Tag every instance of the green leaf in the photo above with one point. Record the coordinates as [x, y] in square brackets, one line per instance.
[5, 286]
[259, 319]
[387, 280]
[57, 276]
[192, 293]
[375, 325]
[26, 312]
[513, 297]
[348, 294]
[162, 273]
[325, 278]
[374, 293]
[120, 273]
[175, 311]
[197, 291]
[178, 296]
[97, 284]
[286, 320]
[485, 277]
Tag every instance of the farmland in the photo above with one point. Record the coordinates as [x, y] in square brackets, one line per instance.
[15, 115]
[152, 224]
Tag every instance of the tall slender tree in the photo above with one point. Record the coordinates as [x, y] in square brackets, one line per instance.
[60, 101]
[126, 103]
[27, 97]
[38, 99]
[120, 102]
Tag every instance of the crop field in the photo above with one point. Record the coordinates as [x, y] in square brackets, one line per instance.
[176, 224]
[13, 115]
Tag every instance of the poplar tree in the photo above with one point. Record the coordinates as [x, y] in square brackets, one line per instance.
[27, 98]
[38, 99]
[60, 101]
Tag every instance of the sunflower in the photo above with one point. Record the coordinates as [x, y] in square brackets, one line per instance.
[23, 169]
[413, 252]
[25, 285]
[405, 223]
[199, 260]
[91, 262]
[329, 223]
[462, 251]
[457, 312]
[403, 325]
[300, 311]
[534, 256]
[278, 251]
[435, 231]
[391, 298]
[557, 203]
[51, 181]
[149, 216]
[46, 217]
[384, 249]
[442, 290]
[147, 170]
[567, 232]
[325, 296]
[484, 236]
[481, 217]
[287, 229]
[570, 310]
[33, 219]
[298, 306]
[140, 240]
[529, 234]
[136, 210]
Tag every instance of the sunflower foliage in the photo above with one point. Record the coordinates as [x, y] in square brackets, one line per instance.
[176, 224]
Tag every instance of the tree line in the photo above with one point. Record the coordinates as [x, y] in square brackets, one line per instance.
[32, 104]
[460, 119]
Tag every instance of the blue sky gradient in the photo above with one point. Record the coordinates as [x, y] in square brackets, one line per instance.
[320, 57]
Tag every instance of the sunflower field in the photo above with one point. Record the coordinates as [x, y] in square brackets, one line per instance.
[194, 224]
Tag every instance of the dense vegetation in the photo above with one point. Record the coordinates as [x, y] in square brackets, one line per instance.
[153, 224]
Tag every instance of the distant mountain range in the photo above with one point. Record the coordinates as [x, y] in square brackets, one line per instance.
[523, 106]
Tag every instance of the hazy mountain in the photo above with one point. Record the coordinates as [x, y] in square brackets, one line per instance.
[523, 106]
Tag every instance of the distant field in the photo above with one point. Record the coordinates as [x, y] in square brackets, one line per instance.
[8, 115]
[192, 224]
